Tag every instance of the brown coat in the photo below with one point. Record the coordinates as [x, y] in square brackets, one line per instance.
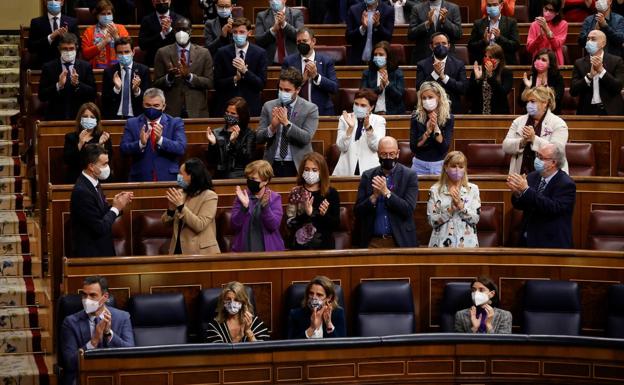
[198, 235]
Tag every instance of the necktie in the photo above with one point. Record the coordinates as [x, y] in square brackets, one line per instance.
[358, 131]
[281, 46]
[541, 187]
[183, 56]
[241, 54]
[368, 48]
[284, 139]
[153, 135]
[125, 92]
[67, 67]
[307, 94]
[98, 187]
[54, 23]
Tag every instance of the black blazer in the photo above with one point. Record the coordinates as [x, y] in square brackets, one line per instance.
[249, 86]
[555, 82]
[149, 35]
[230, 158]
[38, 47]
[457, 84]
[91, 222]
[71, 156]
[499, 104]
[64, 104]
[381, 33]
[400, 206]
[394, 90]
[111, 100]
[610, 85]
[547, 218]
[299, 321]
[508, 39]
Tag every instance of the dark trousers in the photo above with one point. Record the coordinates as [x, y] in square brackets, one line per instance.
[596, 109]
[284, 168]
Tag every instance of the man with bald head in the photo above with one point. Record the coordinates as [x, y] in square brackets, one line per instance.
[598, 79]
[546, 196]
[386, 202]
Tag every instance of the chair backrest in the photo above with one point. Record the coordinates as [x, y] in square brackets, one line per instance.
[294, 295]
[304, 11]
[456, 297]
[620, 171]
[238, 11]
[139, 55]
[487, 158]
[383, 308]
[342, 235]
[398, 51]
[225, 234]
[337, 53]
[521, 13]
[84, 16]
[332, 154]
[158, 319]
[461, 52]
[606, 230]
[207, 306]
[552, 307]
[410, 98]
[566, 55]
[515, 229]
[489, 228]
[464, 13]
[344, 99]
[405, 154]
[569, 103]
[615, 317]
[152, 236]
[120, 241]
[581, 159]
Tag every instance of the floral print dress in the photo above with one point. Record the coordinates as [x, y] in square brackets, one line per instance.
[451, 227]
[314, 231]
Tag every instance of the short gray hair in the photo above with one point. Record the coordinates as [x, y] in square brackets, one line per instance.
[154, 92]
[559, 154]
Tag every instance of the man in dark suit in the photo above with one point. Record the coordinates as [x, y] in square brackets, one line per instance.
[428, 18]
[155, 140]
[156, 30]
[319, 74]
[444, 68]
[386, 201]
[240, 70]
[276, 30]
[97, 326]
[91, 216]
[607, 21]
[124, 84]
[66, 83]
[368, 23]
[494, 29]
[598, 79]
[45, 33]
[546, 196]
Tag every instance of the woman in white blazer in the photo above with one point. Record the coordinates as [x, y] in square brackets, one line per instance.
[359, 133]
[539, 127]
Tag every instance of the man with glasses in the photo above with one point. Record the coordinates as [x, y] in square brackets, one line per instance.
[386, 201]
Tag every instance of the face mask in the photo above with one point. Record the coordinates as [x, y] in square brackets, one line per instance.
[455, 174]
[370, 2]
[430, 104]
[531, 108]
[315, 303]
[479, 298]
[68, 56]
[125, 60]
[239, 40]
[493, 11]
[162, 8]
[539, 165]
[104, 172]
[440, 51]
[285, 97]
[387, 164]
[602, 6]
[232, 307]
[224, 13]
[276, 5]
[311, 177]
[88, 123]
[540, 65]
[182, 38]
[253, 186]
[303, 48]
[152, 113]
[493, 62]
[54, 7]
[360, 112]
[380, 61]
[181, 182]
[549, 15]
[230, 120]
[591, 47]
[105, 19]
[90, 305]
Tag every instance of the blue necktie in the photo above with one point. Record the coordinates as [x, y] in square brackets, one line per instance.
[68, 81]
[125, 92]
[541, 187]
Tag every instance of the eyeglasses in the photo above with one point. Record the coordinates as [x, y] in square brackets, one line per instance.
[542, 158]
[388, 155]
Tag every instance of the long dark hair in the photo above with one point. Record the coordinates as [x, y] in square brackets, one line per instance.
[200, 178]
[553, 66]
[556, 4]
[496, 52]
[487, 282]
[391, 60]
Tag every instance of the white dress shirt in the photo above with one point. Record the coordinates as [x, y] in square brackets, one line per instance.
[116, 90]
[279, 137]
[595, 82]
[434, 74]
[317, 81]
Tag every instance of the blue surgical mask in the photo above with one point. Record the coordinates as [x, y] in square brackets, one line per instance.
[380, 61]
[240, 40]
[591, 47]
[181, 182]
[285, 97]
[360, 112]
[125, 60]
[105, 19]
[539, 165]
[224, 13]
[88, 123]
[531, 108]
[54, 7]
[277, 5]
[493, 11]
[370, 2]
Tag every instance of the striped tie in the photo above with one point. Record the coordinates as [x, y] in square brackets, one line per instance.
[541, 187]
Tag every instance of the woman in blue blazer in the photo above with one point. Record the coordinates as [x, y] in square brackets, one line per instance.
[386, 79]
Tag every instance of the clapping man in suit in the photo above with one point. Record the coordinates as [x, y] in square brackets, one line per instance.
[368, 23]
[287, 125]
[598, 79]
[494, 29]
[276, 30]
[91, 216]
[124, 84]
[154, 140]
[319, 74]
[66, 83]
[428, 18]
[546, 196]
[240, 70]
[607, 21]
[96, 326]
[46, 31]
[156, 30]
[183, 70]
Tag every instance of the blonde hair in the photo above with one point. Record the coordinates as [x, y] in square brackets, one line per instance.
[444, 104]
[240, 295]
[453, 158]
[262, 167]
[543, 94]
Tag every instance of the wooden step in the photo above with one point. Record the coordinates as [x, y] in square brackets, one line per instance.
[31, 317]
[16, 222]
[17, 184]
[19, 292]
[9, 90]
[19, 245]
[20, 266]
[32, 369]
[24, 341]
[6, 114]
[11, 166]
[8, 132]
[9, 148]
[15, 201]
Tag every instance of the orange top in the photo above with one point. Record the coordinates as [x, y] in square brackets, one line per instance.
[90, 51]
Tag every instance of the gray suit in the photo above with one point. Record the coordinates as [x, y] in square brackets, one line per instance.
[266, 40]
[212, 36]
[304, 122]
[418, 31]
[501, 322]
[180, 92]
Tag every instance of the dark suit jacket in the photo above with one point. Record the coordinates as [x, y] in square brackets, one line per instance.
[91, 222]
[149, 36]
[299, 321]
[357, 40]
[38, 47]
[499, 104]
[71, 156]
[321, 94]
[266, 40]
[400, 206]
[75, 334]
[213, 40]
[64, 104]
[394, 90]
[111, 100]
[610, 85]
[614, 32]
[455, 86]
[249, 87]
[164, 159]
[418, 31]
[547, 217]
[508, 39]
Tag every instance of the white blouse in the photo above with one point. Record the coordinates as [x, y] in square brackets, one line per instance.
[452, 227]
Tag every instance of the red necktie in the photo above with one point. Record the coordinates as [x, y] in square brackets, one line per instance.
[183, 56]
[153, 135]
[281, 46]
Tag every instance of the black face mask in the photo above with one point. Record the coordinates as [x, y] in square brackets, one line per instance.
[387, 164]
[303, 48]
[162, 8]
[253, 186]
[230, 120]
[440, 51]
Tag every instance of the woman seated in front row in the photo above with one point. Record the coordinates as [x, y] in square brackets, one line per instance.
[235, 320]
[319, 316]
[483, 317]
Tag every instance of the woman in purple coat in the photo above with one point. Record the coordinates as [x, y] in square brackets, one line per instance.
[257, 212]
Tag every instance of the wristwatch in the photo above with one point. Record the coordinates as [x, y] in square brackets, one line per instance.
[389, 194]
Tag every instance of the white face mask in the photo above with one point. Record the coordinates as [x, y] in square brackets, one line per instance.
[602, 6]
[232, 307]
[68, 56]
[182, 38]
[430, 104]
[104, 172]
[311, 177]
[90, 305]
[480, 298]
